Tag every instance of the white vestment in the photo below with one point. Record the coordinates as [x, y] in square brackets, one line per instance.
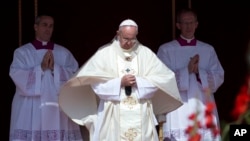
[193, 93]
[119, 117]
[35, 114]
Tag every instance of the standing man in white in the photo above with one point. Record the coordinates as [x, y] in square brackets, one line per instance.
[131, 84]
[39, 69]
[199, 74]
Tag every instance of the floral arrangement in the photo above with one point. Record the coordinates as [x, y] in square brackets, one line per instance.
[192, 130]
[241, 110]
[240, 115]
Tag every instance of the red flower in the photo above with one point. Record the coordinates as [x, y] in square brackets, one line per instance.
[216, 131]
[209, 121]
[192, 131]
[209, 115]
[189, 129]
[195, 137]
[193, 116]
[209, 108]
[241, 103]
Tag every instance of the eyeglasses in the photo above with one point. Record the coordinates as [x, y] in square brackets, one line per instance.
[126, 40]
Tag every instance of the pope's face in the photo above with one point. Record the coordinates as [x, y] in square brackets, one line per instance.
[127, 36]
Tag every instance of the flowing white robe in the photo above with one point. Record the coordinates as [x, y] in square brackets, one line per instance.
[35, 114]
[193, 93]
[118, 117]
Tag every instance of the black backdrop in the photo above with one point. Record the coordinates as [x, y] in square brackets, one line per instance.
[83, 26]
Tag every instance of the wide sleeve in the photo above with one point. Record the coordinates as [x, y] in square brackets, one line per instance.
[182, 78]
[109, 90]
[146, 89]
[25, 74]
[64, 67]
[213, 75]
[182, 74]
[167, 97]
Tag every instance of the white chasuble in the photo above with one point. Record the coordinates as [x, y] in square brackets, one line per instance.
[132, 109]
[94, 98]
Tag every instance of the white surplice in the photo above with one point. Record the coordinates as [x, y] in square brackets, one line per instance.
[119, 117]
[193, 93]
[35, 114]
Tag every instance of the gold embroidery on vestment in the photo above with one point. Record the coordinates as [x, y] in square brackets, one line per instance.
[131, 134]
[130, 102]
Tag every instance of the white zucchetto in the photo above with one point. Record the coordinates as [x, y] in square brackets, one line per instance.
[128, 22]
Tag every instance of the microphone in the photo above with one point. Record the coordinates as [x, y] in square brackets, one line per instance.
[128, 90]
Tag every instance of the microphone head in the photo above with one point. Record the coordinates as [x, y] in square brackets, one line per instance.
[128, 90]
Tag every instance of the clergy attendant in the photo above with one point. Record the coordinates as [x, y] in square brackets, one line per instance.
[118, 93]
[38, 70]
[199, 74]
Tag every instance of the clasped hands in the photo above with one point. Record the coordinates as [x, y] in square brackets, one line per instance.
[193, 65]
[128, 80]
[48, 61]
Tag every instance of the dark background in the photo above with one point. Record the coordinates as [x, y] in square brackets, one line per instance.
[83, 26]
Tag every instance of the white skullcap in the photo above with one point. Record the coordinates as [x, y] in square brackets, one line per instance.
[128, 22]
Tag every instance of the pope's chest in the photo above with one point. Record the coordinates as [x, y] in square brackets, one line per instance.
[127, 66]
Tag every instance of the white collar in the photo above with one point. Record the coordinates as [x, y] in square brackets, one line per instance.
[188, 40]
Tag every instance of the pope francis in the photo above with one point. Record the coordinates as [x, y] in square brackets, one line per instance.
[120, 92]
